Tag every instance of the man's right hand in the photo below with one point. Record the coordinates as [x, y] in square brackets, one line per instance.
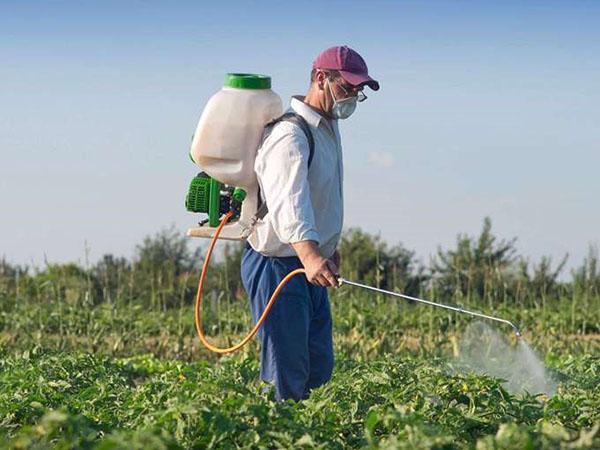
[320, 271]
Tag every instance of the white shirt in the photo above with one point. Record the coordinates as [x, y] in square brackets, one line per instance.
[303, 204]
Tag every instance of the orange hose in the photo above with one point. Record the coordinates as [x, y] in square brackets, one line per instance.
[198, 305]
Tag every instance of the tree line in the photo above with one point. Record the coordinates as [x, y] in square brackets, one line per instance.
[164, 270]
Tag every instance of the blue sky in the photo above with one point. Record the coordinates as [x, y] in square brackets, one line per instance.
[486, 109]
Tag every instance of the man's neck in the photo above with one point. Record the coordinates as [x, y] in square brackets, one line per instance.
[312, 99]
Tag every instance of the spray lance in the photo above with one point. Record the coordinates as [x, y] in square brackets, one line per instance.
[342, 281]
[224, 146]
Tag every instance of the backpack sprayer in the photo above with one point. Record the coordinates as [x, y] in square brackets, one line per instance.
[224, 145]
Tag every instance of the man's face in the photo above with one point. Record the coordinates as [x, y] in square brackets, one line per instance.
[333, 87]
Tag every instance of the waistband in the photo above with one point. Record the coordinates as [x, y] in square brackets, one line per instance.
[287, 259]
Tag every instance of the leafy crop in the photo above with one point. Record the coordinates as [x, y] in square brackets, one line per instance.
[107, 358]
[85, 401]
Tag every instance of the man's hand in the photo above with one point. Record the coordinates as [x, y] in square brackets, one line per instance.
[320, 271]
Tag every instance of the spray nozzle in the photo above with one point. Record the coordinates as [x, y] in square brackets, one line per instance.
[518, 333]
[515, 329]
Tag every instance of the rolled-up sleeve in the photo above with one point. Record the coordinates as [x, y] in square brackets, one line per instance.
[282, 170]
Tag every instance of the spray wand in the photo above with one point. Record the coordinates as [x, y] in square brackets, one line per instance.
[430, 303]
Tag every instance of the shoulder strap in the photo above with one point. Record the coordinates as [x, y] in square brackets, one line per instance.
[289, 116]
[297, 119]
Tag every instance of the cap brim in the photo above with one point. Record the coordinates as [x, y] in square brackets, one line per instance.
[359, 79]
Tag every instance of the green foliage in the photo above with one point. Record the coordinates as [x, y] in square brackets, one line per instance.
[586, 279]
[68, 283]
[162, 266]
[476, 266]
[84, 401]
[10, 276]
[105, 357]
[486, 268]
[163, 273]
[368, 258]
[114, 275]
[543, 282]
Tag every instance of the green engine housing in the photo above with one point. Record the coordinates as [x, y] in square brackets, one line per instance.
[198, 194]
[209, 196]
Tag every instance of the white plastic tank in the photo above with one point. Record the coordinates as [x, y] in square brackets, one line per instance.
[231, 127]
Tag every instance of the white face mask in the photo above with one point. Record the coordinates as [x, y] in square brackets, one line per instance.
[342, 109]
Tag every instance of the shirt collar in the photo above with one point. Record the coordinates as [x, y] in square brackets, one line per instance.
[311, 116]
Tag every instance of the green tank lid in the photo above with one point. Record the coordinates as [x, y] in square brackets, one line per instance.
[247, 81]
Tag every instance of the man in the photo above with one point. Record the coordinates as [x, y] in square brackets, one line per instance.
[302, 227]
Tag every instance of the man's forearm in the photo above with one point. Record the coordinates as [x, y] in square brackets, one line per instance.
[306, 250]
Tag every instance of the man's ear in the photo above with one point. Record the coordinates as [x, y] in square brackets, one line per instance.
[321, 76]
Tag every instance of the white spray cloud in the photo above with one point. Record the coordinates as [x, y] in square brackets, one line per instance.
[485, 351]
[381, 159]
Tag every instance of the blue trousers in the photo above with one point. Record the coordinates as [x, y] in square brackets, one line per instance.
[296, 338]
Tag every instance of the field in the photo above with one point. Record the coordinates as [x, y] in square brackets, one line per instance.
[81, 370]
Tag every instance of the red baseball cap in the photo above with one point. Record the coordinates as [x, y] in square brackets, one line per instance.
[349, 63]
